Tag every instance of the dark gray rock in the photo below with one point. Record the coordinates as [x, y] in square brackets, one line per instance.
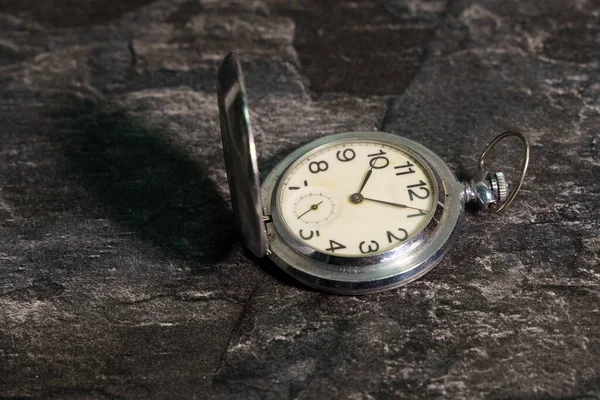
[120, 272]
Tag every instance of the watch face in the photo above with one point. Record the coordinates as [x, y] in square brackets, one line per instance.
[356, 198]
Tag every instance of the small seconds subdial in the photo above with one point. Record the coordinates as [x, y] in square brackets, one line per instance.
[314, 208]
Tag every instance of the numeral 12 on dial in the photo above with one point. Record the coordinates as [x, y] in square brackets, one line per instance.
[423, 193]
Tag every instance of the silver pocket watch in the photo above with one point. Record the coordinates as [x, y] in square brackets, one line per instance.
[350, 213]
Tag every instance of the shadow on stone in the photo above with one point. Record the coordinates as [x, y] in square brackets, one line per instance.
[70, 13]
[364, 48]
[269, 267]
[147, 184]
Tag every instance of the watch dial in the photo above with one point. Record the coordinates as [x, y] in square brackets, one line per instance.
[355, 199]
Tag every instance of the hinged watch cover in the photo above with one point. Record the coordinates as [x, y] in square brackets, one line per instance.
[240, 156]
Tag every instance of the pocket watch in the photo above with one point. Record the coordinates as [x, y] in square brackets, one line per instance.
[350, 213]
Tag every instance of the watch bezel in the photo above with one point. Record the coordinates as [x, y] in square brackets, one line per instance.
[395, 267]
[333, 259]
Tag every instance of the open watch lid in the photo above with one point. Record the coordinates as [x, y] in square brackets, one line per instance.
[240, 156]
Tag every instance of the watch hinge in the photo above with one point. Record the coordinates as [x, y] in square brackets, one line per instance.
[267, 218]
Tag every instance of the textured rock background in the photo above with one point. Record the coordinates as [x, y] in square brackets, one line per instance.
[120, 272]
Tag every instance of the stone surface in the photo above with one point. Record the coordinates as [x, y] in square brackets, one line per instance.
[120, 272]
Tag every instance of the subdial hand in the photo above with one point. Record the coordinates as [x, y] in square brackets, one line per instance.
[313, 207]
[395, 204]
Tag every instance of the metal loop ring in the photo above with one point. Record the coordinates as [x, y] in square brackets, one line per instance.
[524, 166]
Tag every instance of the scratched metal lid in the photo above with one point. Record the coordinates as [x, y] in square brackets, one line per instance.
[240, 156]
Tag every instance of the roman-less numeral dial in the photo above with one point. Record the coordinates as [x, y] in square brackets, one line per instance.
[356, 199]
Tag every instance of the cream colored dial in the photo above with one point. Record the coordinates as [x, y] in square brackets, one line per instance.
[356, 198]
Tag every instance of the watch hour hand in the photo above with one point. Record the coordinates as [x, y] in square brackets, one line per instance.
[395, 204]
[364, 182]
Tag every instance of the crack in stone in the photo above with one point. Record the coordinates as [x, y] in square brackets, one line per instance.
[236, 330]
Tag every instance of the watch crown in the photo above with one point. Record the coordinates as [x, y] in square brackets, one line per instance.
[487, 189]
[499, 186]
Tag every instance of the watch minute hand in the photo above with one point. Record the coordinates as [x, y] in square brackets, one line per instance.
[395, 204]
